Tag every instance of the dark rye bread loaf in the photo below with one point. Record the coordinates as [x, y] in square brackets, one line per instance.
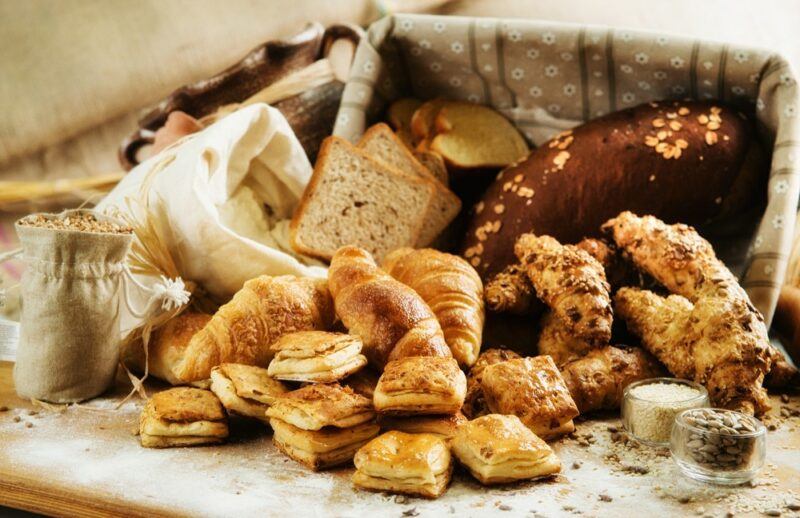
[680, 161]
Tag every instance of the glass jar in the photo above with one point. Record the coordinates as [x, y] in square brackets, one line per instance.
[649, 421]
[717, 445]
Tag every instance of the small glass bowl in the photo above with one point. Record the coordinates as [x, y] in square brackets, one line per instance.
[650, 422]
[715, 454]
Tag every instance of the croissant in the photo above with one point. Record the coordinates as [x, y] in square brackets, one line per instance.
[597, 380]
[556, 341]
[571, 282]
[390, 318]
[712, 342]
[685, 263]
[452, 289]
[258, 314]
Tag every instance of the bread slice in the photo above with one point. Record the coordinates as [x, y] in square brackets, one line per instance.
[353, 199]
[381, 143]
[471, 136]
[401, 111]
[434, 163]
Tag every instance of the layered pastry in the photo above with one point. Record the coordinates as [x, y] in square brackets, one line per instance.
[533, 390]
[245, 390]
[316, 357]
[420, 385]
[474, 403]
[322, 426]
[363, 382]
[443, 426]
[499, 448]
[182, 416]
[413, 464]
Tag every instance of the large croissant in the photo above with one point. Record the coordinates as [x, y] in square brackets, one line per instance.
[452, 289]
[258, 314]
[392, 319]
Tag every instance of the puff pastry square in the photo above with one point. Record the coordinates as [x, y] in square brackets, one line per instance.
[324, 448]
[182, 416]
[533, 390]
[474, 402]
[245, 390]
[316, 406]
[420, 385]
[443, 426]
[499, 448]
[316, 357]
[414, 464]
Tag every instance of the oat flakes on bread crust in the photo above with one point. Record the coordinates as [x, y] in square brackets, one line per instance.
[316, 357]
[315, 406]
[415, 464]
[420, 385]
[533, 390]
[499, 448]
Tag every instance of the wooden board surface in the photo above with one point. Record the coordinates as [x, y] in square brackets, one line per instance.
[86, 461]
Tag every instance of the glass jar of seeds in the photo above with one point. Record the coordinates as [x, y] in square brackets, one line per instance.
[717, 445]
[649, 407]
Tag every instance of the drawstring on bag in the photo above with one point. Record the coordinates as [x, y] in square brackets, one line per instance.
[166, 295]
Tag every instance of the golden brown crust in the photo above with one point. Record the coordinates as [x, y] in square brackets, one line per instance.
[571, 282]
[596, 381]
[253, 382]
[474, 402]
[392, 319]
[510, 291]
[168, 345]
[324, 448]
[316, 356]
[315, 406]
[724, 343]
[182, 404]
[443, 426]
[533, 390]
[556, 341]
[420, 385]
[417, 464]
[499, 448]
[262, 311]
[453, 291]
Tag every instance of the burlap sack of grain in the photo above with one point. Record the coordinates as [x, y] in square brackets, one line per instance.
[548, 77]
[69, 337]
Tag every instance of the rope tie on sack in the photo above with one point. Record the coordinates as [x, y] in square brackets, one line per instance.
[166, 295]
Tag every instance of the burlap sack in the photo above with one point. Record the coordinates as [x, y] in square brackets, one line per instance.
[547, 77]
[69, 337]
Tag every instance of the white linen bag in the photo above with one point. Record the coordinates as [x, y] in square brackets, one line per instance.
[226, 195]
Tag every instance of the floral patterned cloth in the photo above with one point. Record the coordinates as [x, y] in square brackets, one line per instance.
[547, 77]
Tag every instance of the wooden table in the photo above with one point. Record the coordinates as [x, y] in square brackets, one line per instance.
[86, 461]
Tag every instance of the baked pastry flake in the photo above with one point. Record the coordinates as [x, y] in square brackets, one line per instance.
[475, 403]
[499, 448]
[324, 448]
[420, 385]
[182, 416]
[533, 390]
[443, 426]
[316, 406]
[413, 464]
[316, 357]
[245, 390]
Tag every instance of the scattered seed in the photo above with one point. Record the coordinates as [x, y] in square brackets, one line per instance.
[793, 506]
[605, 498]
[401, 499]
[32, 412]
[576, 465]
[772, 512]
[411, 512]
[3, 408]
[504, 507]
[28, 425]
[784, 398]
[17, 419]
[683, 111]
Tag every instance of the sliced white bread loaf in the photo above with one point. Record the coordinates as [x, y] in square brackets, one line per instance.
[353, 199]
[381, 143]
